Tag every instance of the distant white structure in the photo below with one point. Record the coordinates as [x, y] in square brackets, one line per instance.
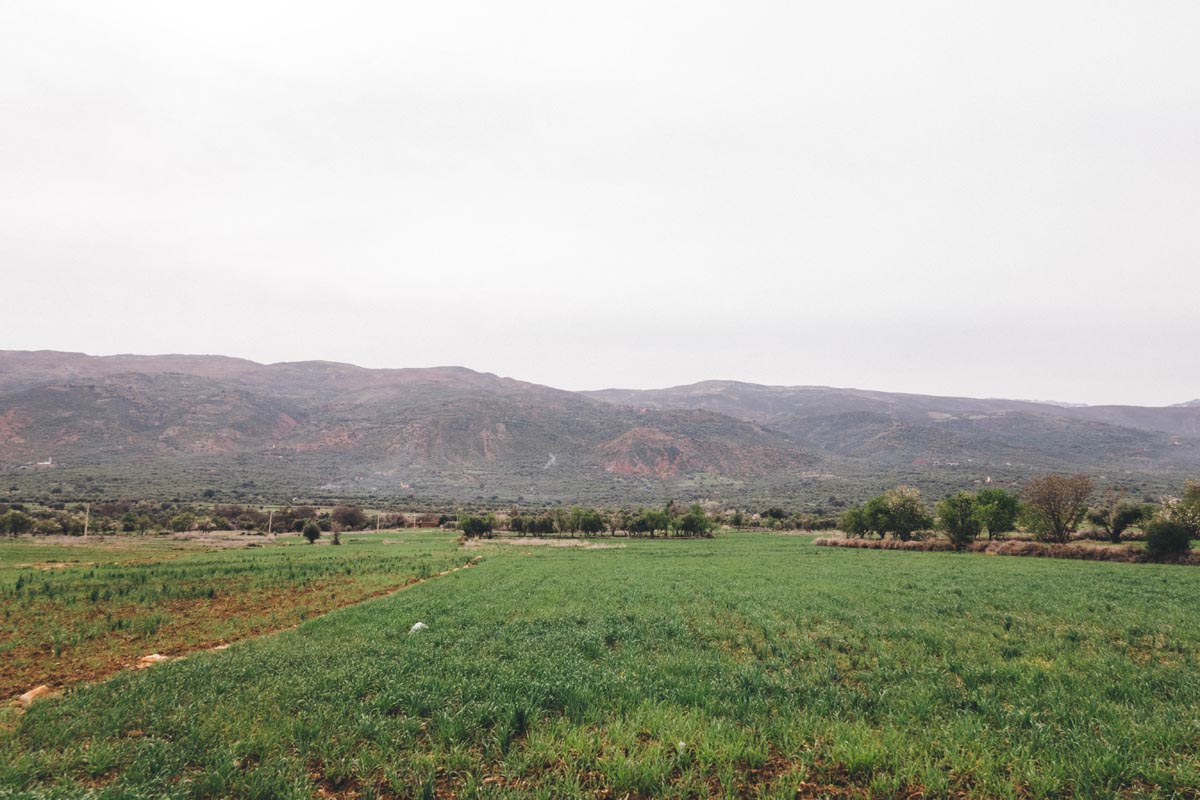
[49, 462]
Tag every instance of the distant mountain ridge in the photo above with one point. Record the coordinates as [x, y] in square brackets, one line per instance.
[166, 424]
[764, 403]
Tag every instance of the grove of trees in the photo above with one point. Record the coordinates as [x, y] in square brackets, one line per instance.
[1051, 507]
[899, 511]
[650, 522]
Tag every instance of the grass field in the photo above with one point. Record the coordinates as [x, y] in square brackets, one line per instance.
[748, 665]
[81, 612]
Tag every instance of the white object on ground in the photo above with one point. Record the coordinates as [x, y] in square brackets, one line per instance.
[420, 626]
[151, 660]
[33, 694]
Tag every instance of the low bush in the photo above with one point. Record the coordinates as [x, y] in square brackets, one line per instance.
[1167, 540]
[926, 545]
[1019, 547]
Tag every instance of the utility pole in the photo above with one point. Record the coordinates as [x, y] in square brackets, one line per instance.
[270, 520]
[87, 515]
[378, 514]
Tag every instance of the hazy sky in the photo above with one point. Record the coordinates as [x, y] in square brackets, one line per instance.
[962, 198]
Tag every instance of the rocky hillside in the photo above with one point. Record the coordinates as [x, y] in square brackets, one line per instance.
[166, 425]
[150, 423]
[897, 430]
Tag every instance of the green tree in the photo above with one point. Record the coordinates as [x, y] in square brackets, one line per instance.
[1167, 540]
[899, 511]
[638, 524]
[184, 521]
[695, 522]
[562, 520]
[47, 527]
[958, 515]
[998, 510]
[877, 515]
[14, 522]
[656, 521]
[311, 531]
[349, 517]
[1115, 516]
[1186, 510]
[907, 513]
[474, 526]
[591, 522]
[853, 522]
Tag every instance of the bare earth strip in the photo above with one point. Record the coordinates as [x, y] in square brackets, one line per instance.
[242, 608]
[581, 543]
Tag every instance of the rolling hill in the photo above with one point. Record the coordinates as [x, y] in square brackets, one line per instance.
[174, 425]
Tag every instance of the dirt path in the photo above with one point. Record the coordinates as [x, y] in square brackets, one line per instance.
[584, 544]
[374, 595]
[94, 667]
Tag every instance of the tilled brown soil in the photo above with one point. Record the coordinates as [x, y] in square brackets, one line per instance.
[190, 629]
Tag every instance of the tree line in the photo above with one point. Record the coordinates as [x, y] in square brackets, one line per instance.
[672, 521]
[1051, 507]
[146, 517]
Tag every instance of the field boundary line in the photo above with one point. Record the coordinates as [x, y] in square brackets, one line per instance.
[154, 659]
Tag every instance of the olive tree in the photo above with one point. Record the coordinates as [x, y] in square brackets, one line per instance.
[906, 512]
[1116, 516]
[900, 512]
[958, 516]
[853, 522]
[694, 523]
[1167, 540]
[998, 510]
[474, 526]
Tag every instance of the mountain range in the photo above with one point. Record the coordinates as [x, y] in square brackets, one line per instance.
[171, 426]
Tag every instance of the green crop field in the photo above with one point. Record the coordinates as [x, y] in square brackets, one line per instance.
[85, 610]
[743, 666]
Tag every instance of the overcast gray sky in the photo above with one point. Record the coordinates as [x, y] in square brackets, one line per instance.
[958, 198]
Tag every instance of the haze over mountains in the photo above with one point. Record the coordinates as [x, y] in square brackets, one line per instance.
[147, 425]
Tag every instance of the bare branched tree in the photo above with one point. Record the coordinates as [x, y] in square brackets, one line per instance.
[1057, 504]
